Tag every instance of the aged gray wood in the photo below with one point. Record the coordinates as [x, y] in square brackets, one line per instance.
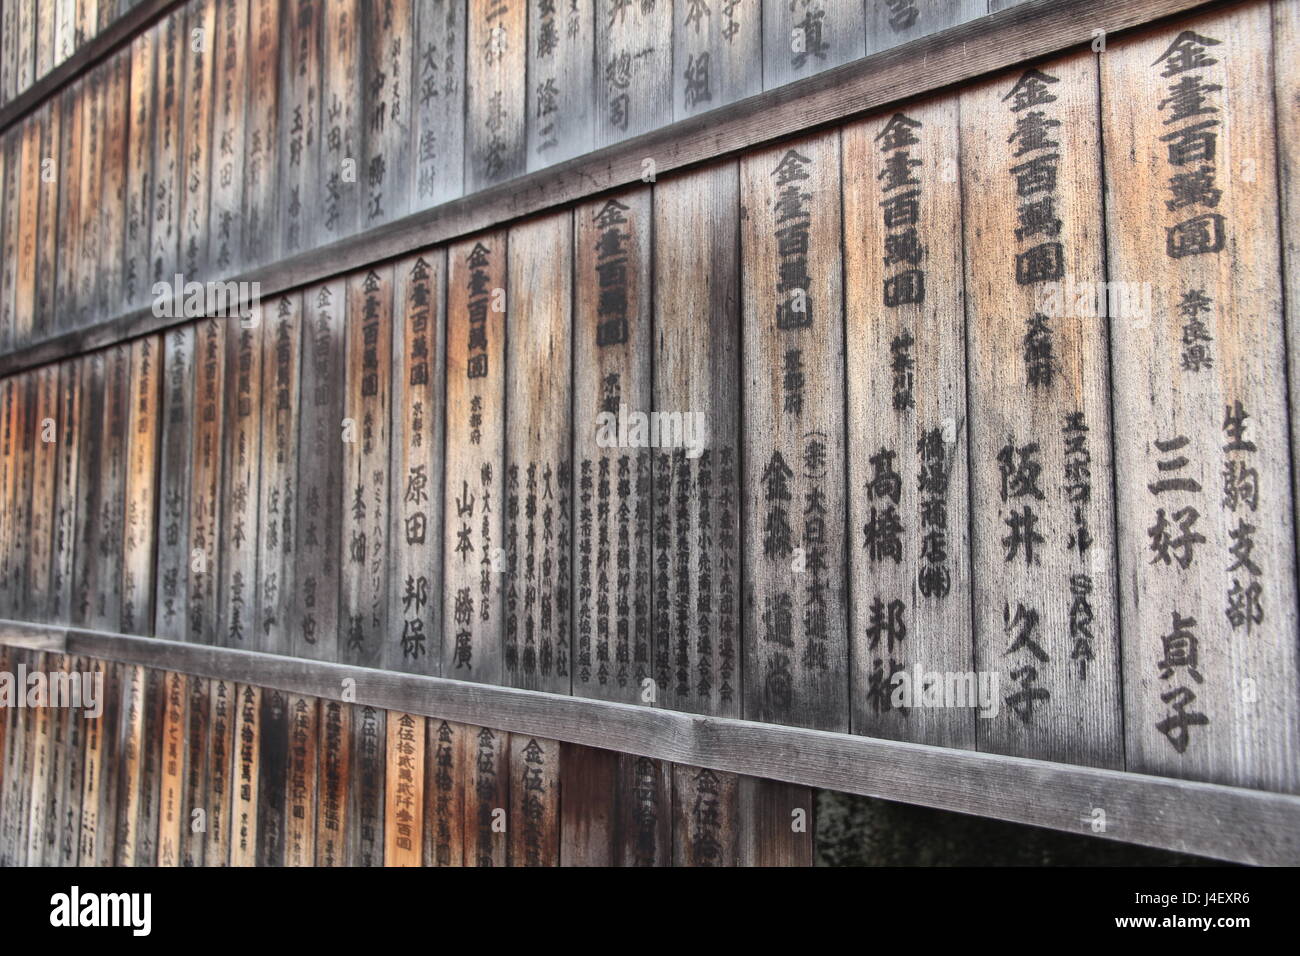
[65, 518]
[200, 53]
[177, 426]
[261, 136]
[168, 148]
[496, 93]
[205, 498]
[300, 121]
[634, 64]
[438, 99]
[239, 602]
[386, 65]
[339, 189]
[893, 22]
[561, 83]
[803, 37]
[135, 270]
[226, 185]
[717, 54]
[139, 525]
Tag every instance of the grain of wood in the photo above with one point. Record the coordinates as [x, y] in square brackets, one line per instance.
[496, 93]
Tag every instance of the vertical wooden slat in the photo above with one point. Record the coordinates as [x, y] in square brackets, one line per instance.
[1042, 513]
[178, 425]
[365, 817]
[386, 85]
[560, 100]
[803, 37]
[47, 216]
[29, 194]
[99, 774]
[608, 549]
[45, 444]
[136, 247]
[168, 151]
[447, 766]
[273, 757]
[261, 135]
[89, 437]
[1208, 586]
[588, 811]
[438, 100]
[487, 796]
[300, 793]
[245, 769]
[205, 497]
[25, 440]
[241, 515]
[403, 798]
[299, 121]
[416, 535]
[497, 98]
[226, 188]
[537, 485]
[9, 145]
[38, 783]
[534, 801]
[171, 809]
[717, 54]
[334, 756]
[151, 767]
[776, 823]
[141, 440]
[113, 182]
[474, 549]
[634, 68]
[200, 53]
[129, 795]
[195, 803]
[643, 829]
[69, 822]
[56, 801]
[341, 117]
[796, 652]
[706, 813]
[223, 750]
[65, 526]
[90, 220]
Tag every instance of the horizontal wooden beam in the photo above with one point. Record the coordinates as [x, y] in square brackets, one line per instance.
[1227, 823]
[1016, 35]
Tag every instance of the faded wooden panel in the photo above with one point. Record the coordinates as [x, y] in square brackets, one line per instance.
[796, 654]
[245, 770]
[24, 442]
[697, 574]
[197, 107]
[363, 601]
[64, 29]
[447, 765]
[643, 829]
[16, 722]
[38, 603]
[300, 793]
[803, 37]
[1208, 588]
[561, 76]
[129, 792]
[226, 188]
[386, 69]
[300, 121]
[47, 214]
[473, 552]
[89, 434]
[908, 491]
[416, 536]
[56, 802]
[223, 748]
[135, 269]
[44, 52]
[280, 341]
[706, 817]
[891, 23]
[335, 761]
[1286, 35]
[8, 53]
[315, 622]
[99, 774]
[403, 799]
[487, 796]
[168, 156]
[261, 135]
[38, 782]
[241, 415]
[179, 425]
[25, 53]
[65, 520]
[194, 788]
[68, 225]
[272, 777]
[10, 144]
[205, 498]
[365, 835]
[171, 794]
[112, 188]
[110, 474]
[717, 54]
[438, 100]
[538, 474]
[588, 815]
[776, 823]
[90, 220]
[29, 194]
[139, 521]
[634, 68]
[534, 801]
[611, 502]
[151, 766]
[1041, 528]
[495, 140]
[341, 119]
[9, 530]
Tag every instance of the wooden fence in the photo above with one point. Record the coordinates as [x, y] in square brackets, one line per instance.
[684, 454]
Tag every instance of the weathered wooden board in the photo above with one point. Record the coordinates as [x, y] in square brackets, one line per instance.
[261, 134]
[776, 823]
[195, 803]
[589, 784]
[8, 53]
[300, 121]
[365, 816]
[129, 792]
[363, 599]
[438, 102]
[47, 273]
[241, 516]
[24, 442]
[245, 770]
[487, 796]
[9, 239]
[110, 476]
[205, 496]
[280, 344]
[65, 515]
[1208, 587]
[226, 188]
[606, 547]
[99, 774]
[272, 777]
[168, 148]
[141, 507]
[90, 220]
[197, 108]
[803, 37]
[38, 782]
[136, 273]
[300, 790]
[474, 548]
[891, 23]
[151, 766]
[697, 572]
[56, 802]
[45, 447]
[643, 827]
[1041, 528]
[1286, 33]
[44, 53]
[15, 720]
[26, 46]
[419, 366]
[64, 29]
[314, 625]
[171, 793]
[115, 107]
[334, 761]
[717, 54]
[29, 194]
[534, 801]
[89, 436]
[706, 817]
[447, 777]
[796, 651]
[178, 425]
[341, 119]
[404, 799]
[223, 747]
[537, 483]
[8, 492]
[561, 80]
[386, 64]
[634, 68]
[496, 93]
[910, 593]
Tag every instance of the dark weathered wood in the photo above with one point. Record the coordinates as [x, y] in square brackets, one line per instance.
[195, 804]
[706, 817]
[114, 110]
[1208, 582]
[272, 776]
[1286, 33]
[223, 747]
[64, 532]
[339, 190]
[205, 497]
[99, 777]
[56, 803]
[261, 134]
[365, 834]
[447, 765]
[47, 215]
[171, 792]
[38, 780]
[334, 756]
[151, 766]
[178, 425]
[168, 148]
[644, 812]
[538, 448]
[534, 801]
[130, 795]
[487, 796]
[45, 448]
[89, 436]
[141, 128]
[496, 95]
[776, 824]
[300, 790]
[386, 64]
[588, 816]
[419, 368]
